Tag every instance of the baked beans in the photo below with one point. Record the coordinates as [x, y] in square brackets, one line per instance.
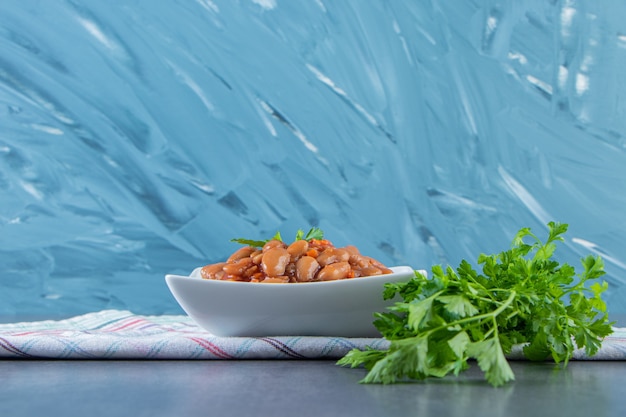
[301, 261]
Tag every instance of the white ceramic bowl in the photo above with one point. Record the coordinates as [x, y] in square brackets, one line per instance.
[332, 308]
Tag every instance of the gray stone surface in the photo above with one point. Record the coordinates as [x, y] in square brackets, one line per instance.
[298, 388]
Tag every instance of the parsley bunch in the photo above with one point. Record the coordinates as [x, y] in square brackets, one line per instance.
[522, 296]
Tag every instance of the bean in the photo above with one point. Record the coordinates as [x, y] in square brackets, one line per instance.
[376, 263]
[332, 272]
[213, 271]
[306, 268]
[379, 265]
[256, 257]
[236, 269]
[250, 272]
[368, 271]
[298, 249]
[290, 271]
[241, 253]
[332, 255]
[276, 280]
[359, 261]
[273, 244]
[257, 277]
[275, 261]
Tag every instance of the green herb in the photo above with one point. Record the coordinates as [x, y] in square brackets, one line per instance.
[522, 296]
[249, 242]
[313, 233]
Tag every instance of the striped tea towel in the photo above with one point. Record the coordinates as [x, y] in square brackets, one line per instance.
[114, 334]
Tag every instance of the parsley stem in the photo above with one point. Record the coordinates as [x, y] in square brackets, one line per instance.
[493, 314]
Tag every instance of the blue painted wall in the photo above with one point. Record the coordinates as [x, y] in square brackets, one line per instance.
[137, 137]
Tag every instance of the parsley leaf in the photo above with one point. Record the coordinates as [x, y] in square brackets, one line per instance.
[250, 242]
[313, 233]
[520, 296]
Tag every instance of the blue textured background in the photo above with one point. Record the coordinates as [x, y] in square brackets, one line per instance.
[137, 137]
